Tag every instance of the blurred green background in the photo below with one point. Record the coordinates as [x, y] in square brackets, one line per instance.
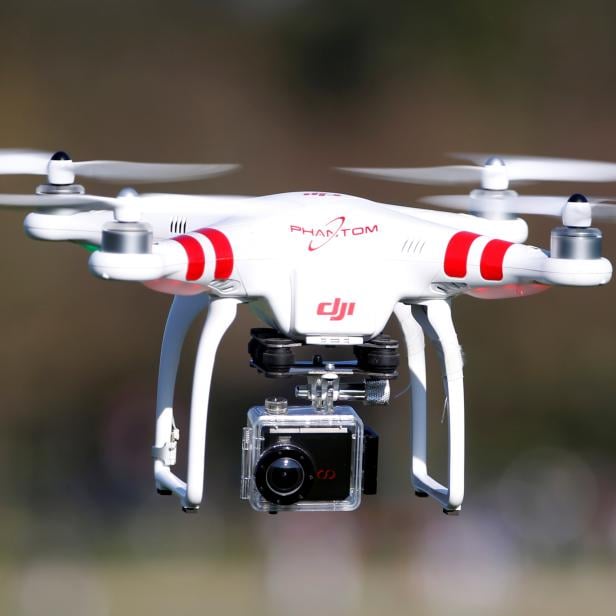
[290, 88]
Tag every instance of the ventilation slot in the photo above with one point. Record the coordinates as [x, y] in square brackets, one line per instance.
[178, 225]
[412, 247]
[450, 287]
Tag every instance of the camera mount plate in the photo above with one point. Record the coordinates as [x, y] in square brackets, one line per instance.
[272, 354]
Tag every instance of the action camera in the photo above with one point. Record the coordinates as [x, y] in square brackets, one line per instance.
[298, 458]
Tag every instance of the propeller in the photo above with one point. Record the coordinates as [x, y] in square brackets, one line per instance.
[126, 206]
[450, 174]
[28, 162]
[61, 170]
[576, 211]
[54, 201]
[547, 169]
[496, 172]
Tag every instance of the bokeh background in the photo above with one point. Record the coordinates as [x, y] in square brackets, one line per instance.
[290, 88]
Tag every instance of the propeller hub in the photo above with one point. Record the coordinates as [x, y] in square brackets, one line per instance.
[577, 212]
[494, 175]
[578, 198]
[60, 170]
[61, 155]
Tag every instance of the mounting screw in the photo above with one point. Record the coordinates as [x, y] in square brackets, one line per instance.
[276, 405]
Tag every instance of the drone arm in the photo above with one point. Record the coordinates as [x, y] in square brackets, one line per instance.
[434, 318]
[522, 264]
[181, 315]
[480, 261]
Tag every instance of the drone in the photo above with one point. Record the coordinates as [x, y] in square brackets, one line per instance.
[320, 270]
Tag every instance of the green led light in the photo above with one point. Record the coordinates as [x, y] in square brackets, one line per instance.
[88, 246]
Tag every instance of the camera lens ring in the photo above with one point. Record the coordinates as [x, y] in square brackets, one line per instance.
[284, 476]
[294, 458]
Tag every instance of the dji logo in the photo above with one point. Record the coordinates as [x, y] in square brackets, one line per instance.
[336, 310]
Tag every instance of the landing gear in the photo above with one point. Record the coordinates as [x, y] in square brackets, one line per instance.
[433, 319]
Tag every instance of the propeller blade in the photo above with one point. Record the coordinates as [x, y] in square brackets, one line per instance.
[604, 211]
[24, 162]
[551, 206]
[59, 201]
[112, 171]
[539, 205]
[495, 172]
[452, 174]
[36, 162]
[547, 169]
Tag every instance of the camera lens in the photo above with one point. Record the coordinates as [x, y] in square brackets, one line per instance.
[284, 476]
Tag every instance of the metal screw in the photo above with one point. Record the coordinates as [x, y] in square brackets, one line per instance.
[276, 405]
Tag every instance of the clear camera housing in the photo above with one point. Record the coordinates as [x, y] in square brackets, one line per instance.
[301, 459]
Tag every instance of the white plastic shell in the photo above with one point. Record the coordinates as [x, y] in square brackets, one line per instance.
[307, 419]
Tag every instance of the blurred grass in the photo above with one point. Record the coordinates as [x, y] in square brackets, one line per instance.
[239, 587]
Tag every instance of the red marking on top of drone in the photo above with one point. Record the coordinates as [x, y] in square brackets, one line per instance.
[321, 194]
[492, 257]
[457, 253]
[195, 254]
[223, 250]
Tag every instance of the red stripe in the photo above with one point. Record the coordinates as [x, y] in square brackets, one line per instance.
[492, 257]
[223, 250]
[195, 254]
[456, 254]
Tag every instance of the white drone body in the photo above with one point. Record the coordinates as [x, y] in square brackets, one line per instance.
[323, 269]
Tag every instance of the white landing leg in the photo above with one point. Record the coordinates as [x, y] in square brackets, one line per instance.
[220, 316]
[434, 319]
[183, 312]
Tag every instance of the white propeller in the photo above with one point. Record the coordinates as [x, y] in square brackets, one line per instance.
[576, 211]
[546, 169]
[451, 174]
[73, 201]
[28, 162]
[126, 206]
[496, 172]
[62, 170]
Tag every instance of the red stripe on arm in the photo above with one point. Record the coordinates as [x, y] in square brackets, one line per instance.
[456, 254]
[223, 250]
[492, 257]
[195, 254]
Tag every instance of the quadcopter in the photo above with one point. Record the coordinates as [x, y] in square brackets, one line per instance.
[321, 270]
